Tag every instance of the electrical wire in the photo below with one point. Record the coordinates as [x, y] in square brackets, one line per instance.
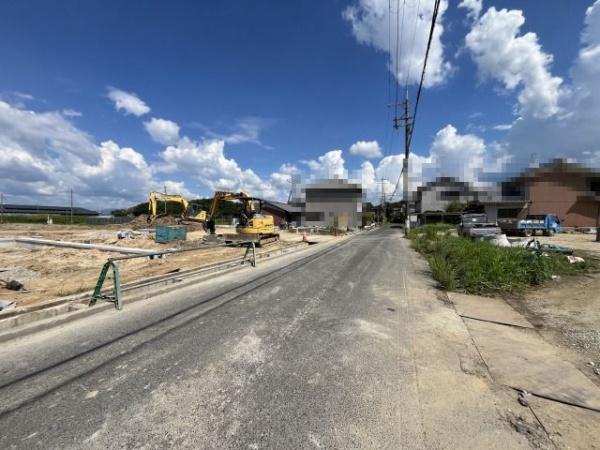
[411, 126]
[390, 133]
[433, 21]
[412, 44]
[399, 36]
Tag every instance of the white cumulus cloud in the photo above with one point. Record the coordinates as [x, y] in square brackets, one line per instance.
[43, 156]
[328, 165]
[206, 162]
[130, 103]
[372, 25]
[473, 8]
[71, 113]
[366, 149]
[573, 132]
[162, 131]
[516, 60]
[457, 155]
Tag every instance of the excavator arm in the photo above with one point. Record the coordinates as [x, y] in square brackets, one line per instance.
[248, 210]
[156, 197]
[224, 196]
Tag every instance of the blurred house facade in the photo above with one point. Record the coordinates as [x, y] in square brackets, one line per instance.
[568, 190]
[325, 203]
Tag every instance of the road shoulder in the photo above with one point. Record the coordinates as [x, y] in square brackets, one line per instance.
[461, 405]
[563, 400]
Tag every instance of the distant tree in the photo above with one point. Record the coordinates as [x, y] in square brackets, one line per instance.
[226, 210]
[120, 212]
[369, 207]
[368, 217]
[455, 207]
[474, 207]
[140, 208]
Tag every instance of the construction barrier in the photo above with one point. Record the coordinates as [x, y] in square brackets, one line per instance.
[112, 263]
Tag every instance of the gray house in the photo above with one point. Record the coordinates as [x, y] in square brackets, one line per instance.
[436, 195]
[333, 203]
[324, 203]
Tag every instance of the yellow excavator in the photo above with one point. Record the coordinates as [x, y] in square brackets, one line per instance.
[252, 225]
[187, 213]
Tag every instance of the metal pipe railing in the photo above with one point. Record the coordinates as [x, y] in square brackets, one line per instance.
[152, 254]
[112, 263]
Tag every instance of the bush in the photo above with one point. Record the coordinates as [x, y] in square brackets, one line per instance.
[483, 268]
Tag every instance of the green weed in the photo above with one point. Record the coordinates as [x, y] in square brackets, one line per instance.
[482, 268]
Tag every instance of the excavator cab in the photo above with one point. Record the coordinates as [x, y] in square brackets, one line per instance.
[251, 224]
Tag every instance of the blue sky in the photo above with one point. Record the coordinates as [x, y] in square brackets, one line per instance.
[280, 85]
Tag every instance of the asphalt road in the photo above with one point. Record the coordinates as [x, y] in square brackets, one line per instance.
[343, 347]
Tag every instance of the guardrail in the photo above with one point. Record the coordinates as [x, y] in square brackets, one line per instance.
[111, 264]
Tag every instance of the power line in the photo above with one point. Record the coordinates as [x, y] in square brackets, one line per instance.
[436, 8]
[399, 34]
[390, 50]
[397, 184]
[412, 44]
[390, 136]
[408, 72]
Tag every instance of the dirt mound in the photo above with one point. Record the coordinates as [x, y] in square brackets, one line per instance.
[141, 221]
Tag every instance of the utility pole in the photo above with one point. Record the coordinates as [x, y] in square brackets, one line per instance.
[71, 206]
[1, 207]
[598, 224]
[405, 122]
[165, 186]
[382, 202]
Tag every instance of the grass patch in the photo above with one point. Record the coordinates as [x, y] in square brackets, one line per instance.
[41, 218]
[482, 268]
[443, 272]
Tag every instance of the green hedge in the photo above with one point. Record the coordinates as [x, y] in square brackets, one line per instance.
[482, 268]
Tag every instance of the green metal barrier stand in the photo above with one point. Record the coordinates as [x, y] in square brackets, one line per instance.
[253, 247]
[112, 264]
[116, 297]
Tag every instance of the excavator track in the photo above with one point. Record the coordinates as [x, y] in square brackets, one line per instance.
[265, 239]
[259, 239]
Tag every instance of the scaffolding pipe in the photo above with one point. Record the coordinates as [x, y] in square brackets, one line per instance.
[81, 245]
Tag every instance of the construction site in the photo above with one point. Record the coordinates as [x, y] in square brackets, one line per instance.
[48, 271]
[43, 262]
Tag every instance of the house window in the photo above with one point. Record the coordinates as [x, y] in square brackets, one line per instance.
[508, 213]
[595, 186]
[449, 195]
[315, 216]
[512, 189]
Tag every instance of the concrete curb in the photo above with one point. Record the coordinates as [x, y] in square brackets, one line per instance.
[28, 320]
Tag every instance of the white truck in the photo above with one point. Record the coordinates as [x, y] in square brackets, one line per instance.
[476, 225]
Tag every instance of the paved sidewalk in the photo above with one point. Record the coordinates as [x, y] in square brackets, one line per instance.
[562, 398]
